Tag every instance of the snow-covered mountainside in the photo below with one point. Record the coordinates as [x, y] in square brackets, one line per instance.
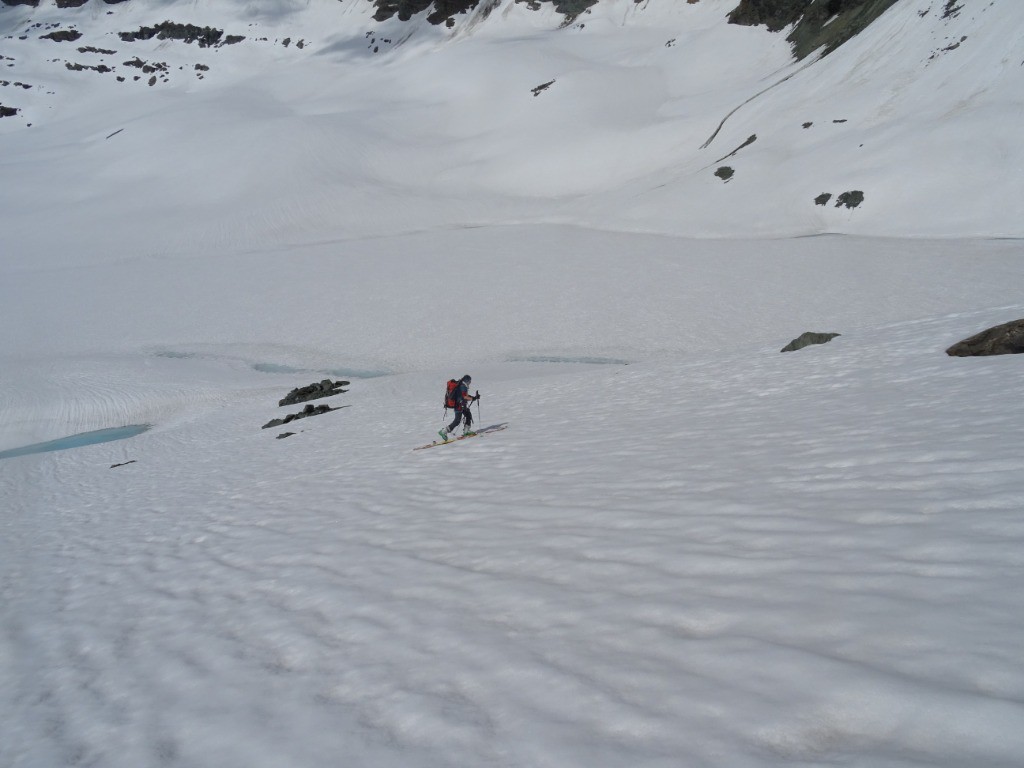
[683, 548]
[220, 125]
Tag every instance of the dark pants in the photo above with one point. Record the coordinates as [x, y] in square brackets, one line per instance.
[461, 413]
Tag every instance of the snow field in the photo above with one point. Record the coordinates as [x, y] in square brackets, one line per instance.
[757, 558]
[686, 549]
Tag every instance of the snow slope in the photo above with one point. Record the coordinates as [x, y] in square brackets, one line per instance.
[687, 549]
[441, 128]
[731, 557]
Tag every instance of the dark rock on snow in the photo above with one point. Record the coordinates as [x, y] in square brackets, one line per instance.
[309, 410]
[187, 33]
[807, 339]
[325, 388]
[542, 87]
[62, 36]
[825, 24]
[1005, 339]
[850, 199]
[443, 11]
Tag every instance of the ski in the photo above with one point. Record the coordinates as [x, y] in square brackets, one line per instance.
[477, 433]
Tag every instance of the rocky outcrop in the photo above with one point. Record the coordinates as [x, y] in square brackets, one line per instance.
[309, 410]
[850, 199]
[325, 388]
[807, 339]
[1005, 339]
[444, 11]
[62, 36]
[187, 33]
[818, 23]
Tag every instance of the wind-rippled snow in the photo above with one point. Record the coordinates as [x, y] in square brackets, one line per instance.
[737, 557]
[687, 549]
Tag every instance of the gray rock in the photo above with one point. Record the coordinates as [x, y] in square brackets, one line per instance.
[807, 339]
[850, 199]
[325, 388]
[309, 410]
[1005, 339]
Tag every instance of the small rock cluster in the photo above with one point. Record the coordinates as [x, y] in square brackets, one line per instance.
[850, 199]
[309, 410]
[207, 37]
[325, 388]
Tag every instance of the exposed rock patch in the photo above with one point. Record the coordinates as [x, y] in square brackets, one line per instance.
[82, 67]
[1006, 339]
[309, 410]
[542, 87]
[750, 140]
[444, 11]
[147, 67]
[187, 33]
[850, 199]
[807, 339]
[325, 388]
[824, 24]
[952, 9]
[62, 36]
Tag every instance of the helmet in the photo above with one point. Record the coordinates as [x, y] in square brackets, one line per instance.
[467, 378]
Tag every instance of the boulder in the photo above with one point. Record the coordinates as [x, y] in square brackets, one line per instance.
[807, 339]
[1005, 339]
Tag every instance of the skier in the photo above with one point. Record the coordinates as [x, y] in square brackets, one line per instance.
[459, 398]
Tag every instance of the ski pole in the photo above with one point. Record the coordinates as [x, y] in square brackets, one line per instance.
[478, 405]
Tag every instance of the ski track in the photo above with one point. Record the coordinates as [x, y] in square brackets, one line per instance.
[596, 599]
